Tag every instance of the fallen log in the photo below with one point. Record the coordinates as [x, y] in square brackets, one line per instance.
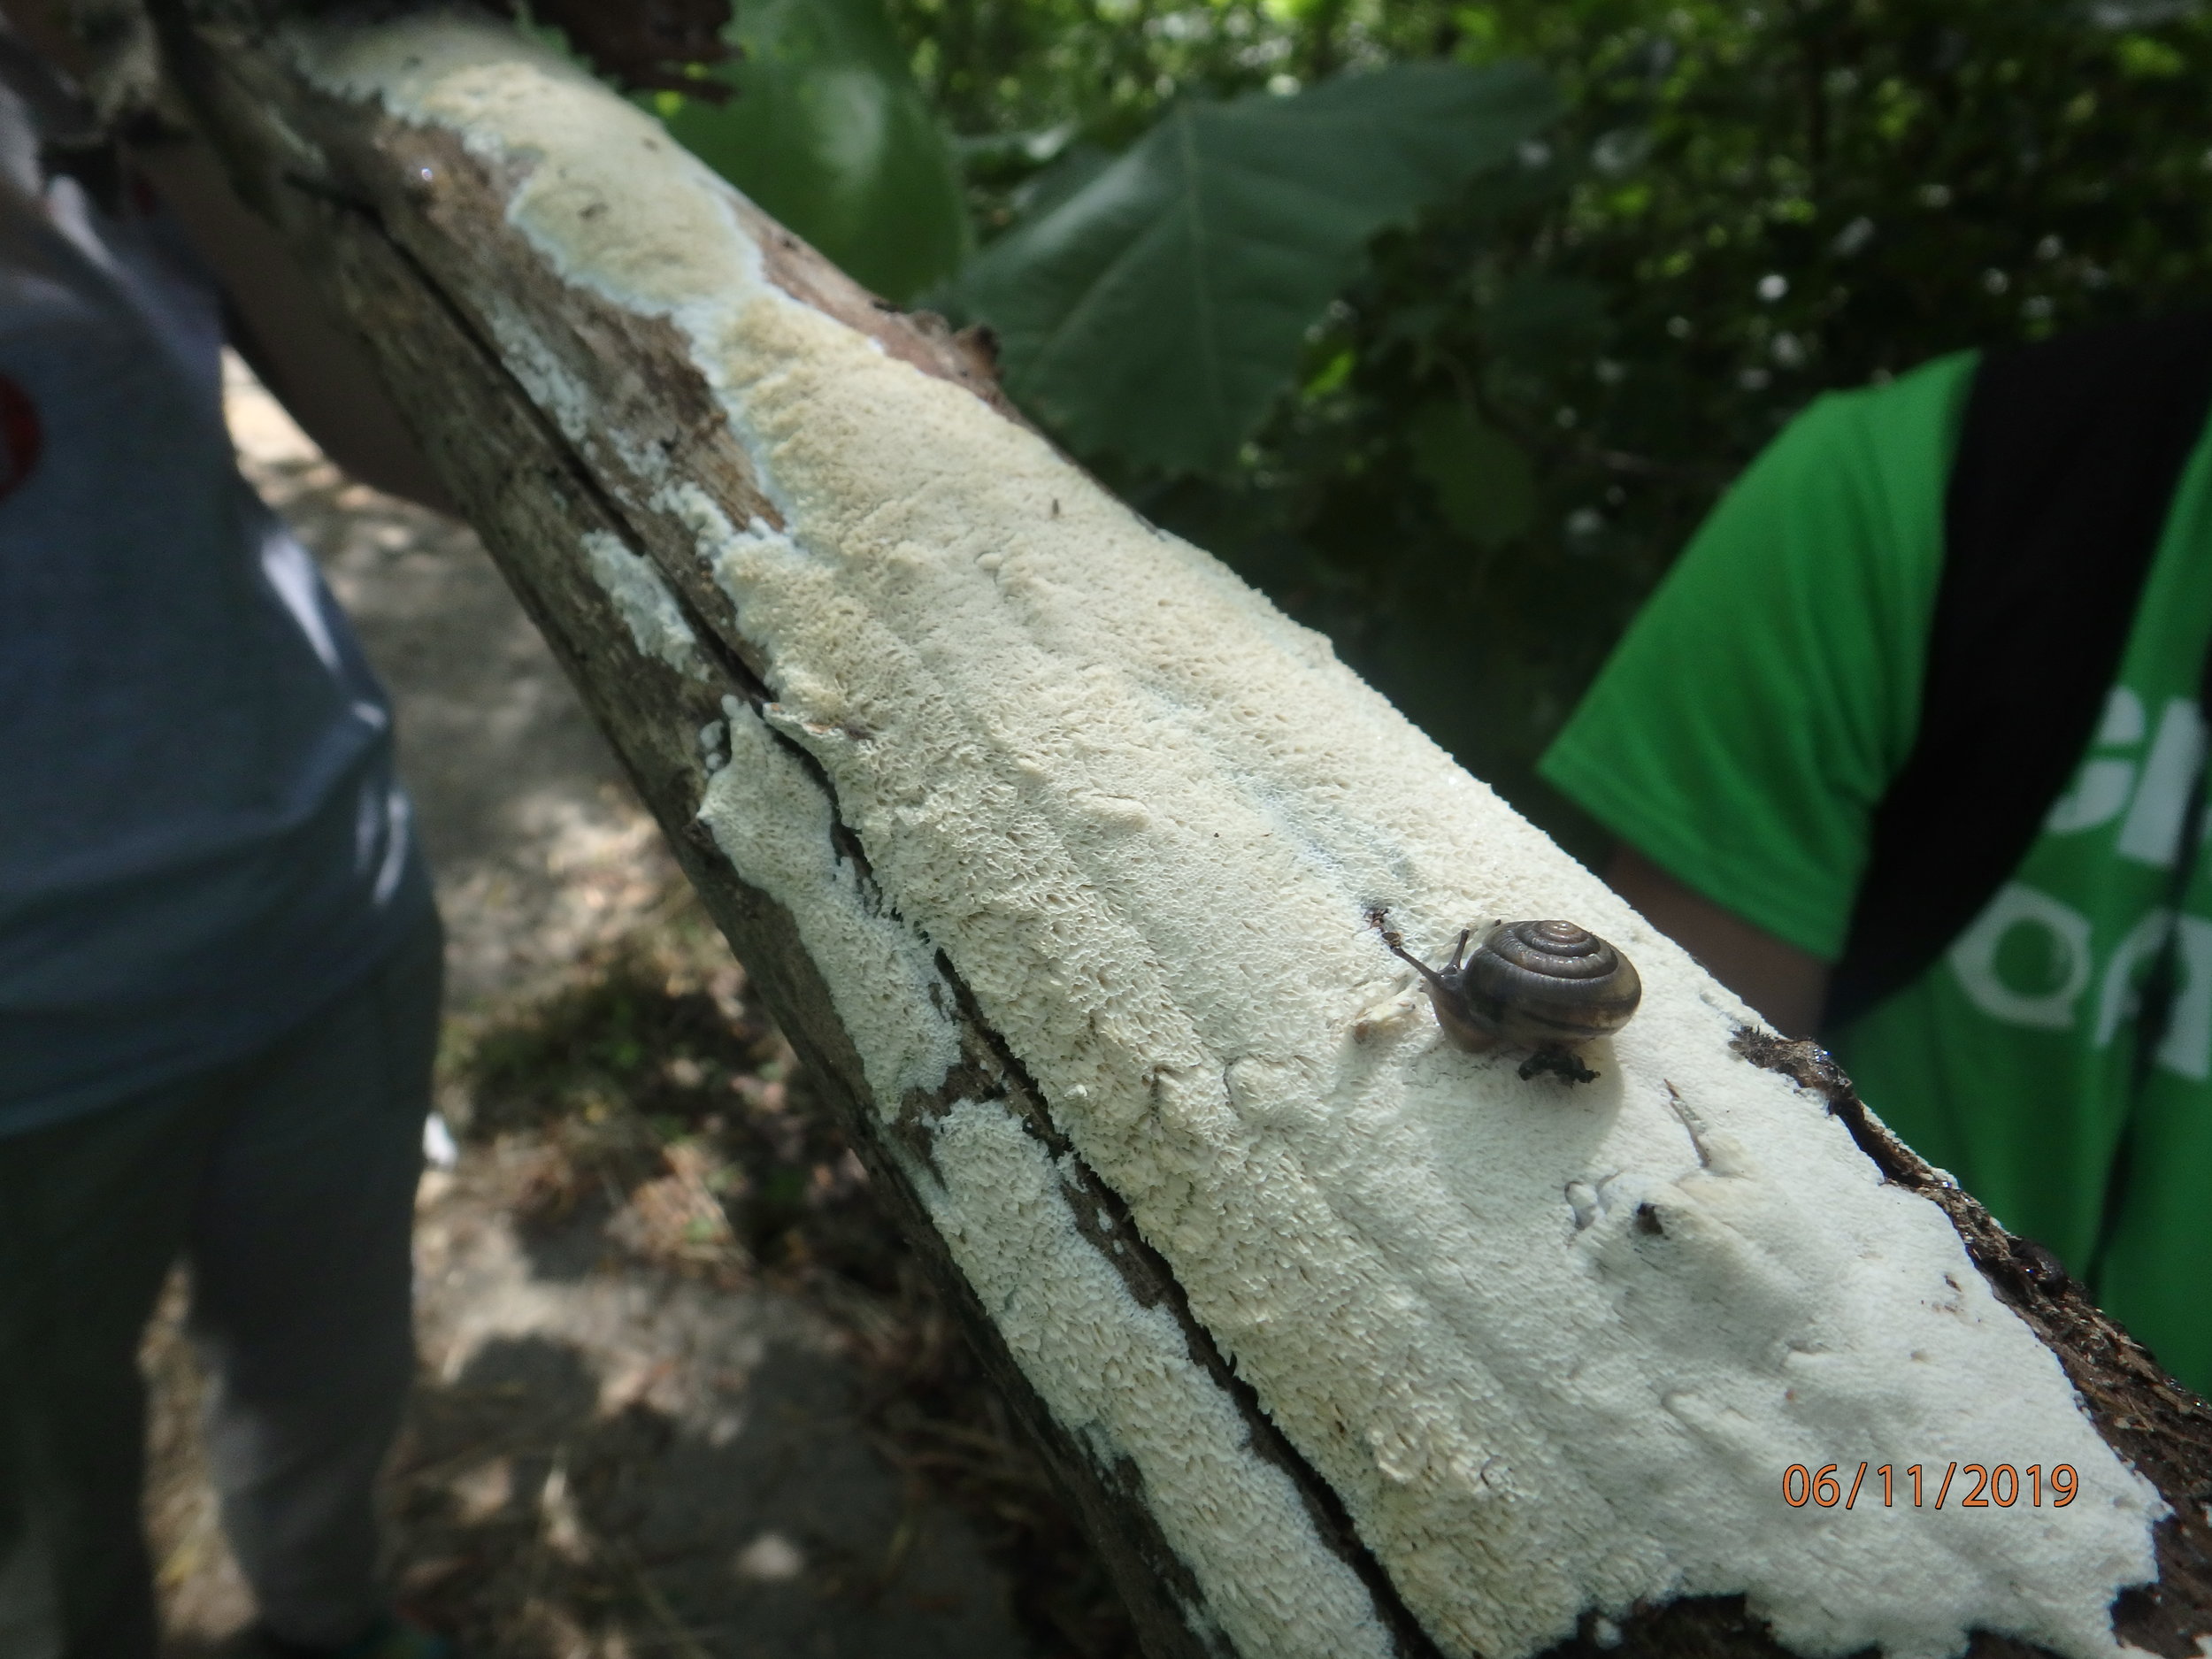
[1062, 858]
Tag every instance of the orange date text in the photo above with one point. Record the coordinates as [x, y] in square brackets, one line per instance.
[1925, 1486]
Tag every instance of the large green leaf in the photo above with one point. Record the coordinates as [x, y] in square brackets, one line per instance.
[830, 134]
[1158, 309]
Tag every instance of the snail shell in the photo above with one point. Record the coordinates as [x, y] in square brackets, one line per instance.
[1548, 982]
[1544, 985]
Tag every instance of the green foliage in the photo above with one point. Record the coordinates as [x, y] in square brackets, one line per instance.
[1484, 485]
[830, 134]
[1518, 410]
[1154, 306]
[1471, 463]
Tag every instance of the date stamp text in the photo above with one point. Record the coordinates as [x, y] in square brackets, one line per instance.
[1978, 1486]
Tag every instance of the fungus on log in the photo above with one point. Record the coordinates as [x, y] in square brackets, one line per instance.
[1054, 850]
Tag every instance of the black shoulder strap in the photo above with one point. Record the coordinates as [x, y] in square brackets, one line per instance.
[2067, 457]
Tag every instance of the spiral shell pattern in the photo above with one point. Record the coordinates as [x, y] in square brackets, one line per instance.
[1548, 983]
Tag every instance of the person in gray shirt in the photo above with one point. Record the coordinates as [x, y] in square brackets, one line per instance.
[218, 956]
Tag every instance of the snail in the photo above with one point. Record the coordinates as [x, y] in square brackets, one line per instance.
[1545, 986]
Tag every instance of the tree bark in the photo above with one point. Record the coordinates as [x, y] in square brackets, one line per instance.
[1233, 1281]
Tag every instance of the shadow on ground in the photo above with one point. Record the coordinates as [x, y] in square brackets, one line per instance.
[771, 1532]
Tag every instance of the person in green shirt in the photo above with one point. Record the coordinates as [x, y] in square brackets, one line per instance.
[1740, 743]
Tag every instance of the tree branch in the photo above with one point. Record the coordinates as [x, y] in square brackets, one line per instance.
[1050, 846]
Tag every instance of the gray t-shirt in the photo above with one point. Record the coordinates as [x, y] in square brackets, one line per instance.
[201, 836]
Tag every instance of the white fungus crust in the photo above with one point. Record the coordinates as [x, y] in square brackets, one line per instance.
[1123, 1380]
[1554, 1349]
[771, 821]
[1117, 1375]
[641, 598]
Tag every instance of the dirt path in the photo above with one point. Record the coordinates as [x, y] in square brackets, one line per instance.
[641, 1427]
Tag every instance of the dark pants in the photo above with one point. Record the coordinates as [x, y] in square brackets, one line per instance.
[286, 1180]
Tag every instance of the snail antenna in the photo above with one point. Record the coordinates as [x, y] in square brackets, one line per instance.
[1379, 918]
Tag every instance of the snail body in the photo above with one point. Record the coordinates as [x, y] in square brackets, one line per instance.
[1545, 985]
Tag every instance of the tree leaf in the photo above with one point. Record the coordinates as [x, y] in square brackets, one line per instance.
[1158, 309]
[830, 134]
[1482, 480]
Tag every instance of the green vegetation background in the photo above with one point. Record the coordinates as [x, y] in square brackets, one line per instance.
[1519, 382]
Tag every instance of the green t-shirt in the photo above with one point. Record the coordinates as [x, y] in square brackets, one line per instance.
[1749, 724]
